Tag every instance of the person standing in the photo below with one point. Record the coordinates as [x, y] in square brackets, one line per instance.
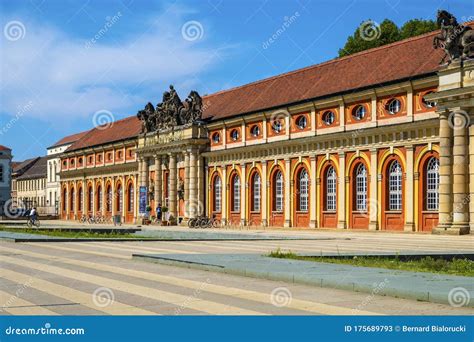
[159, 212]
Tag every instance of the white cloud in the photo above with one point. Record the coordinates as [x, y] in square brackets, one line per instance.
[67, 77]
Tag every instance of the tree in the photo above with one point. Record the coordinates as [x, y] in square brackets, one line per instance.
[369, 34]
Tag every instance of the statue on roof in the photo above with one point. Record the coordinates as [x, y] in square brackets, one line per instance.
[171, 112]
[457, 40]
[147, 118]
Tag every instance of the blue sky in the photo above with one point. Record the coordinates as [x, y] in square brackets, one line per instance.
[65, 63]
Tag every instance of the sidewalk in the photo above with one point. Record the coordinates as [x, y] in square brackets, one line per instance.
[437, 288]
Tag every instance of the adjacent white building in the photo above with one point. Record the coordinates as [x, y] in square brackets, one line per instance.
[52, 187]
[5, 176]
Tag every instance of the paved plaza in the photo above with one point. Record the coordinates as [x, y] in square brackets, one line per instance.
[102, 278]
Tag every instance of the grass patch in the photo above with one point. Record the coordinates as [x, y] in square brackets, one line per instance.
[73, 234]
[461, 267]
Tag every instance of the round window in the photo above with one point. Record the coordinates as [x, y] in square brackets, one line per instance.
[426, 103]
[216, 138]
[255, 131]
[234, 135]
[301, 122]
[277, 126]
[394, 106]
[328, 117]
[359, 112]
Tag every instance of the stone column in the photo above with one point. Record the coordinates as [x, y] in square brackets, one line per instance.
[104, 196]
[114, 197]
[341, 192]
[460, 176]
[200, 182]
[243, 195]
[186, 184]
[173, 189]
[471, 177]
[193, 200]
[409, 192]
[67, 200]
[373, 205]
[445, 180]
[158, 181]
[263, 191]
[94, 198]
[288, 193]
[312, 198]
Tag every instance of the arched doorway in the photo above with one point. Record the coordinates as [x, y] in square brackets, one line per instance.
[358, 194]
[328, 196]
[301, 196]
[234, 198]
[255, 199]
[428, 195]
[392, 195]
[277, 202]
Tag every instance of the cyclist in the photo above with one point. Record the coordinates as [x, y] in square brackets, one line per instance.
[32, 215]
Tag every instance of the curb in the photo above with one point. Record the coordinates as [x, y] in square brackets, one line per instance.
[413, 294]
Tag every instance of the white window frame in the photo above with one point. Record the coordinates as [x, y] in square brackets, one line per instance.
[217, 194]
[236, 193]
[279, 191]
[257, 189]
[331, 189]
[432, 184]
[395, 186]
[361, 188]
[303, 180]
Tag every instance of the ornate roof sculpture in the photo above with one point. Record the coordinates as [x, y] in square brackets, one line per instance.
[457, 40]
[171, 112]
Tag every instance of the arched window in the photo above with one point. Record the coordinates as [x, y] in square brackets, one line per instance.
[64, 199]
[119, 198]
[257, 189]
[99, 198]
[395, 186]
[130, 197]
[303, 190]
[331, 179]
[236, 193]
[89, 198]
[217, 194]
[72, 199]
[278, 191]
[361, 188]
[79, 198]
[432, 184]
[108, 204]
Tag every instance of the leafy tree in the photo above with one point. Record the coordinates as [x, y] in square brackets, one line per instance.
[369, 34]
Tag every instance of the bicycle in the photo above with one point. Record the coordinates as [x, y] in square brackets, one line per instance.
[84, 219]
[30, 223]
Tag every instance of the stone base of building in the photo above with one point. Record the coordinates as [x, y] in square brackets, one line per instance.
[455, 229]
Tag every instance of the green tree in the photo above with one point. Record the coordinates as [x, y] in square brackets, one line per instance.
[370, 35]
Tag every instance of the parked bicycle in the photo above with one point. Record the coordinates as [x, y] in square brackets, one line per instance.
[204, 222]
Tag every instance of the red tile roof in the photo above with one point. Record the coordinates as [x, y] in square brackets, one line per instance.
[4, 148]
[397, 61]
[69, 139]
[119, 130]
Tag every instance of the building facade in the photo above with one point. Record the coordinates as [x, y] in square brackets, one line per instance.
[31, 186]
[5, 177]
[377, 140]
[53, 187]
